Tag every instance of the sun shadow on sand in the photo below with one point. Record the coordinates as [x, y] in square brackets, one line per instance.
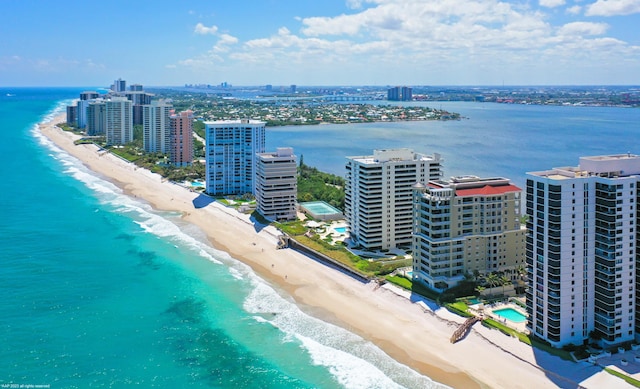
[257, 225]
[565, 374]
[202, 201]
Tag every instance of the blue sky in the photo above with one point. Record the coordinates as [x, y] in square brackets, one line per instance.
[320, 42]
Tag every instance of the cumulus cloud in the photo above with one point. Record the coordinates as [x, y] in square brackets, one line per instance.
[224, 42]
[204, 30]
[583, 28]
[574, 10]
[483, 35]
[551, 3]
[447, 30]
[613, 7]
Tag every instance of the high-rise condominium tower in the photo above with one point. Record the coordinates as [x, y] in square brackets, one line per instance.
[119, 121]
[464, 226]
[582, 251]
[276, 184]
[156, 126]
[230, 153]
[379, 198]
[181, 143]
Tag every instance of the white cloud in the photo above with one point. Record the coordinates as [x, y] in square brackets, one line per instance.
[574, 10]
[204, 30]
[613, 7]
[224, 42]
[402, 38]
[583, 28]
[551, 3]
[203, 62]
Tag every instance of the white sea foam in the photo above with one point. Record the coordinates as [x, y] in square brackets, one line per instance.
[142, 213]
[352, 372]
[355, 362]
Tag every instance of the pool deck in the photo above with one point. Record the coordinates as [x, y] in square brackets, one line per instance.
[487, 311]
[327, 229]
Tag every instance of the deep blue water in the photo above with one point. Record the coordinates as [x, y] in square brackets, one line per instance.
[99, 290]
[494, 140]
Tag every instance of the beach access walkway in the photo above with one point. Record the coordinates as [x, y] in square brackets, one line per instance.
[462, 331]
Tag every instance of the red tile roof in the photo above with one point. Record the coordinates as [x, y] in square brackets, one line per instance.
[487, 190]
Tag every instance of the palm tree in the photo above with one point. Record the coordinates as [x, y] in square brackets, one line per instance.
[493, 280]
[504, 280]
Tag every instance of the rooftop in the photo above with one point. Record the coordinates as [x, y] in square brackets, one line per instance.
[487, 190]
[235, 121]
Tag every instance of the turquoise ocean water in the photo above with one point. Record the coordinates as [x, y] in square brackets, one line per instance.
[101, 291]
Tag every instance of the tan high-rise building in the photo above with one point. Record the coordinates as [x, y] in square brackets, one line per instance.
[466, 225]
[181, 142]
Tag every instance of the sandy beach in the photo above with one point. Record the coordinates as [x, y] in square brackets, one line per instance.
[414, 333]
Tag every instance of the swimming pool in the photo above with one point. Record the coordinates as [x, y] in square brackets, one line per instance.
[511, 314]
[321, 210]
[340, 230]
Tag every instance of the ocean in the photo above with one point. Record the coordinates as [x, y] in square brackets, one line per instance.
[102, 291]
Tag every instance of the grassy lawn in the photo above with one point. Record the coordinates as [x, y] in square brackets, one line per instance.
[400, 281]
[123, 152]
[629, 380]
[293, 228]
[334, 252]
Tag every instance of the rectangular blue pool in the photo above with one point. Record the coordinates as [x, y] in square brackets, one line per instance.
[511, 314]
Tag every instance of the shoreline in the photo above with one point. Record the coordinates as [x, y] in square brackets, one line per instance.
[402, 329]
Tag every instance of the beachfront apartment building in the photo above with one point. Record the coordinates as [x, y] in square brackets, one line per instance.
[156, 126]
[467, 225]
[72, 115]
[118, 121]
[379, 199]
[181, 138]
[230, 153]
[96, 117]
[139, 98]
[582, 251]
[85, 98]
[277, 184]
[119, 85]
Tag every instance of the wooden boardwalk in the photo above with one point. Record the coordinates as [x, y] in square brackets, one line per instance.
[464, 329]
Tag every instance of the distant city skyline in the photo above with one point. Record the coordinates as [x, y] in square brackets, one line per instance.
[329, 42]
